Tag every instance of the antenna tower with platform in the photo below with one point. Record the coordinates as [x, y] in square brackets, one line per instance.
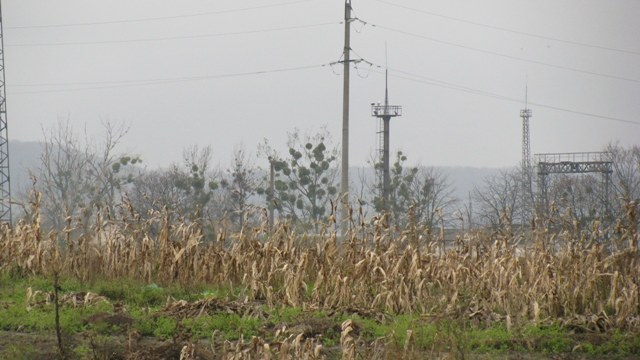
[384, 113]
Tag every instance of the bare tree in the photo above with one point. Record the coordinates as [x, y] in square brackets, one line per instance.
[197, 182]
[498, 199]
[156, 190]
[432, 196]
[582, 197]
[239, 185]
[626, 171]
[188, 189]
[426, 193]
[465, 213]
[77, 176]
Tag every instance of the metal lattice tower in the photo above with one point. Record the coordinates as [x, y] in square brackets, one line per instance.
[384, 113]
[527, 189]
[5, 189]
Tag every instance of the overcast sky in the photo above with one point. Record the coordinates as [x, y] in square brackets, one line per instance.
[458, 67]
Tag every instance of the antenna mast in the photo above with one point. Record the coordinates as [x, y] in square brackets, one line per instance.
[5, 189]
[384, 113]
[527, 191]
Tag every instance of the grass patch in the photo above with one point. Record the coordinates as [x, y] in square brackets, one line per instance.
[548, 339]
[495, 339]
[144, 301]
[285, 315]
[232, 326]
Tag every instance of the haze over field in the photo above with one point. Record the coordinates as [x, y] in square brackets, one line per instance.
[182, 73]
[26, 160]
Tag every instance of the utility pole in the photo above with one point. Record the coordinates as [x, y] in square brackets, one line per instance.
[344, 183]
[5, 188]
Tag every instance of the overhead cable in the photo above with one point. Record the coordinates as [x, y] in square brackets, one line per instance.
[434, 82]
[157, 81]
[169, 17]
[567, 68]
[578, 43]
[197, 36]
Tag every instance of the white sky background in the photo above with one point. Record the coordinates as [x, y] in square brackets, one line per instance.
[441, 126]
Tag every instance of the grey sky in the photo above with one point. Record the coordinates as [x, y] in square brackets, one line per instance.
[442, 125]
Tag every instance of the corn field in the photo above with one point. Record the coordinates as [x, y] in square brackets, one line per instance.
[571, 277]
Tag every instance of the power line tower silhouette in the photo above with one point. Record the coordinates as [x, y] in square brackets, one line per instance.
[527, 188]
[384, 113]
[5, 188]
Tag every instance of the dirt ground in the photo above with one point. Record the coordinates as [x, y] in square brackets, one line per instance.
[123, 344]
[18, 345]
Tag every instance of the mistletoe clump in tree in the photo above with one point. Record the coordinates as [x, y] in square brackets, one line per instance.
[239, 186]
[304, 180]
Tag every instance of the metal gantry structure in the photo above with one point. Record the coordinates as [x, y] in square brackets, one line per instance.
[384, 113]
[5, 185]
[572, 163]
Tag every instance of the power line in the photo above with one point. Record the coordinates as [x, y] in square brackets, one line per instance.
[439, 83]
[405, 75]
[512, 30]
[567, 68]
[124, 21]
[157, 81]
[198, 36]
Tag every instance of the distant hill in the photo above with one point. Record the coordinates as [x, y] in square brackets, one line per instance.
[462, 179]
[23, 156]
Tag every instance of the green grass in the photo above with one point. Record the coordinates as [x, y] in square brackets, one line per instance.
[144, 301]
[16, 316]
[496, 339]
[231, 326]
[620, 344]
[285, 315]
[548, 339]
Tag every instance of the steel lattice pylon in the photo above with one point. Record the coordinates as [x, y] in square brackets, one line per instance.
[5, 188]
[527, 189]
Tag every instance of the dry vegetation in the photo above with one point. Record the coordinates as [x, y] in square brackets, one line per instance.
[583, 279]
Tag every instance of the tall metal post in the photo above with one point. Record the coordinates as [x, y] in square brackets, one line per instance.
[344, 183]
[543, 197]
[385, 113]
[5, 188]
[386, 176]
[527, 188]
[272, 189]
[607, 199]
